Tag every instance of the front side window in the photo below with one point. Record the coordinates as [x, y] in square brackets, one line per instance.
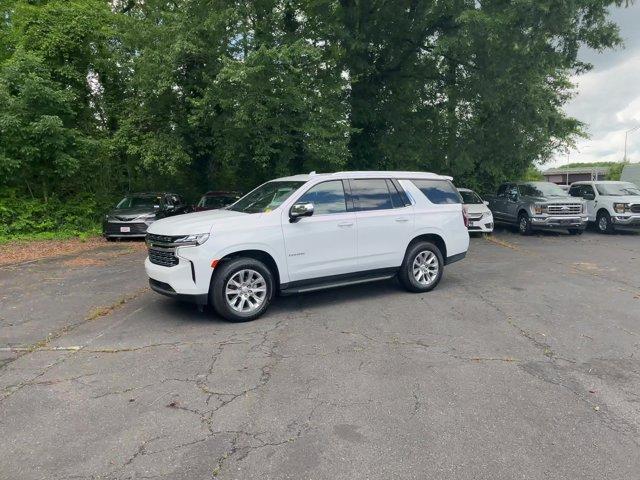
[372, 194]
[327, 197]
[620, 189]
[266, 197]
[581, 191]
[438, 191]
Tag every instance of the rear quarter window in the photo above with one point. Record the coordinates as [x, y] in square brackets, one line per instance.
[438, 191]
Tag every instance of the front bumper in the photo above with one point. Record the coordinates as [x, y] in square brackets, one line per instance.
[186, 277]
[167, 290]
[483, 225]
[626, 221]
[559, 221]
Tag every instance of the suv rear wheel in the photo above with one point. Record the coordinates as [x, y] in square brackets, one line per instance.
[421, 268]
[242, 289]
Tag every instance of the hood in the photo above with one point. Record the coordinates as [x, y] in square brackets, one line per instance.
[476, 208]
[554, 200]
[625, 199]
[192, 223]
[131, 213]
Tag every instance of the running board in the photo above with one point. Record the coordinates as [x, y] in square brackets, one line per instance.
[292, 290]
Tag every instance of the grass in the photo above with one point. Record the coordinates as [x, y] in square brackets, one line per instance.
[55, 235]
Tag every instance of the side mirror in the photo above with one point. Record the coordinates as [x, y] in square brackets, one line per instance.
[589, 196]
[486, 202]
[513, 197]
[300, 210]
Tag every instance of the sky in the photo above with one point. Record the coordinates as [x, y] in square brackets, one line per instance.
[608, 98]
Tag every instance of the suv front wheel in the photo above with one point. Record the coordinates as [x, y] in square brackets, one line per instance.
[422, 267]
[242, 289]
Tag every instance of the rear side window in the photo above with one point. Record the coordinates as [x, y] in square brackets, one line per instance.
[372, 194]
[438, 191]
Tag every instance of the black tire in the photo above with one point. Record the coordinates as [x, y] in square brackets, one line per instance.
[603, 222]
[406, 275]
[576, 231]
[524, 224]
[224, 273]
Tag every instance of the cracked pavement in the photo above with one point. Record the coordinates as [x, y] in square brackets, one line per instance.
[523, 363]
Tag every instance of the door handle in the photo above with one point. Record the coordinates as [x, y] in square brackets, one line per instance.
[345, 224]
[402, 220]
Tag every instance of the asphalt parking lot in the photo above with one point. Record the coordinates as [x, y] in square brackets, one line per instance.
[523, 363]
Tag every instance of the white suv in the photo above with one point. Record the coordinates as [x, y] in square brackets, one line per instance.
[610, 204]
[310, 232]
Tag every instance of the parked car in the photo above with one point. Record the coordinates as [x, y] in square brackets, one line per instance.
[480, 218]
[538, 205]
[310, 232]
[133, 214]
[213, 200]
[610, 205]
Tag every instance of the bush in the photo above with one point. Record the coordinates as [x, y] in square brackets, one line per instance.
[26, 217]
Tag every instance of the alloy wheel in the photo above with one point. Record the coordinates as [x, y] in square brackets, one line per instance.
[425, 267]
[603, 223]
[246, 291]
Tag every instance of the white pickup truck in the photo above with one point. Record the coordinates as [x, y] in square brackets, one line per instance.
[610, 204]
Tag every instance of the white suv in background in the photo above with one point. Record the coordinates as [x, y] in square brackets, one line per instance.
[610, 204]
[310, 232]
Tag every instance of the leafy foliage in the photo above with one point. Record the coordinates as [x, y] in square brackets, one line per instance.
[99, 97]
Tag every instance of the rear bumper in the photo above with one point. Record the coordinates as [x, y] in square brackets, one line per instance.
[560, 222]
[455, 258]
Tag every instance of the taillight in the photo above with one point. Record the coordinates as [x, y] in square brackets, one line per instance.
[465, 216]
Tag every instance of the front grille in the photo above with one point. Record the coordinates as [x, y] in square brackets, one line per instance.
[566, 209]
[113, 228]
[165, 257]
[162, 249]
[635, 208]
[475, 216]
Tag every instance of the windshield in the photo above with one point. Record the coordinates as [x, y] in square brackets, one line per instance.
[217, 201]
[621, 189]
[470, 198]
[266, 197]
[541, 189]
[139, 201]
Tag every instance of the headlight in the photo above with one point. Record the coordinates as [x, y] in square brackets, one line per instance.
[621, 207]
[539, 209]
[196, 239]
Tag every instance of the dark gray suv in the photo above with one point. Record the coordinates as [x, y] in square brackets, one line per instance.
[134, 213]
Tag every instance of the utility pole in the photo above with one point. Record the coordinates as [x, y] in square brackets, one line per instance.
[626, 135]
